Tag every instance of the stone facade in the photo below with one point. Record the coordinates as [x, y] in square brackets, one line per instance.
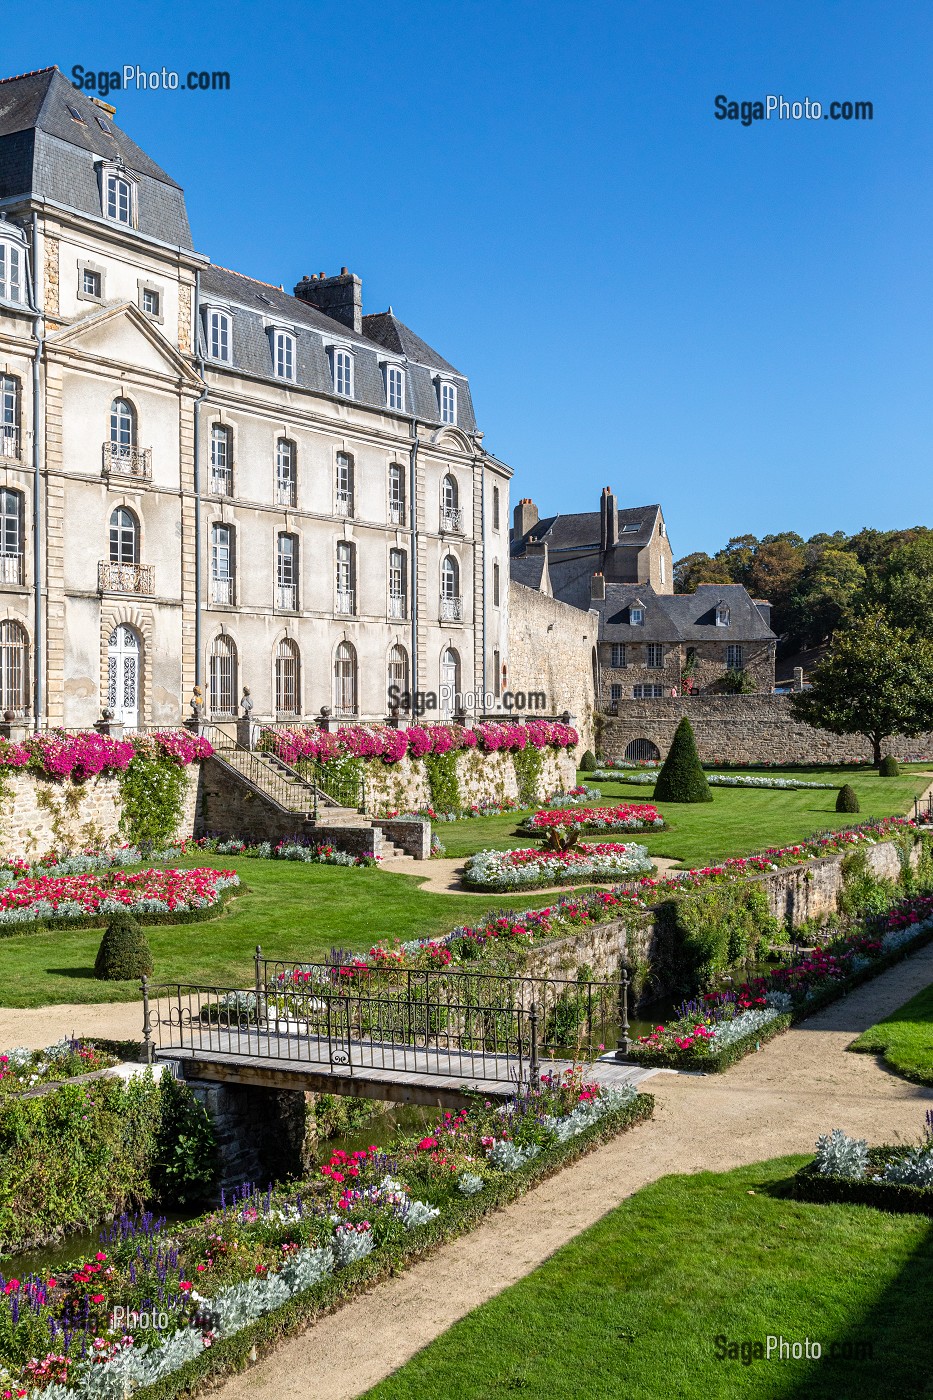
[481, 777]
[552, 648]
[41, 816]
[741, 729]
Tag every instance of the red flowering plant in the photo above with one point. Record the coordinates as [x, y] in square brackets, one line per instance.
[626, 816]
[61, 897]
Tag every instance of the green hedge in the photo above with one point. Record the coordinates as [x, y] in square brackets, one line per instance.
[236, 1353]
[893, 1196]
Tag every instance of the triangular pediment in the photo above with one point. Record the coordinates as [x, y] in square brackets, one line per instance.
[121, 332]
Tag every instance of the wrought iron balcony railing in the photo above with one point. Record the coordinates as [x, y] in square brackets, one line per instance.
[396, 513]
[121, 459]
[451, 609]
[398, 609]
[287, 597]
[346, 603]
[9, 441]
[222, 591]
[452, 519]
[125, 578]
[11, 568]
[344, 503]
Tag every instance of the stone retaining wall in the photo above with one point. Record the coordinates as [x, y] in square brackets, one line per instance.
[481, 777]
[742, 729]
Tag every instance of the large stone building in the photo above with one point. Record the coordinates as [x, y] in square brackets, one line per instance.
[650, 642]
[205, 480]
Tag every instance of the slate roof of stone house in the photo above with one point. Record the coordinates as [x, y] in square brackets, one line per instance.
[529, 569]
[680, 617]
[581, 531]
[255, 305]
[45, 152]
[387, 330]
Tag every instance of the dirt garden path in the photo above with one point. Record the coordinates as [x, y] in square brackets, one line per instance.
[442, 876]
[773, 1103]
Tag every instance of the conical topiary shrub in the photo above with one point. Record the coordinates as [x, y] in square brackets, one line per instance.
[682, 778]
[124, 953]
[847, 801]
[888, 767]
[588, 762]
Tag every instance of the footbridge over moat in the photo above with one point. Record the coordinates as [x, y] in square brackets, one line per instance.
[399, 1035]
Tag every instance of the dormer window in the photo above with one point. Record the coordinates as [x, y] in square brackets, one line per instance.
[218, 335]
[343, 372]
[283, 354]
[636, 616]
[118, 196]
[395, 387]
[447, 398]
[722, 615]
[12, 270]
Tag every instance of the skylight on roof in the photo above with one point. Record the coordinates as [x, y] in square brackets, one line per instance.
[76, 115]
[631, 529]
[104, 125]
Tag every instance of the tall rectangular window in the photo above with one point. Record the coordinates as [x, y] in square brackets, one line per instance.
[221, 461]
[119, 199]
[615, 694]
[395, 387]
[9, 416]
[396, 495]
[283, 346]
[344, 484]
[398, 578]
[287, 572]
[286, 475]
[11, 271]
[735, 657]
[495, 507]
[343, 373]
[218, 336]
[222, 564]
[617, 658]
[11, 536]
[655, 655]
[448, 397]
[496, 572]
[346, 583]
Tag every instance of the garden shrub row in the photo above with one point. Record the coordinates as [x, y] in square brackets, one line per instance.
[809, 1184]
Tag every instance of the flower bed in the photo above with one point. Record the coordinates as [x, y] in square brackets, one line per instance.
[392, 745]
[621, 775]
[893, 1178]
[153, 896]
[713, 1031]
[22, 1068]
[196, 1299]
[625, 817]
[59, 755]
[524, 869]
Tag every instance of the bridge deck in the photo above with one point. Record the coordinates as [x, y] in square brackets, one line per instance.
[375, 1069]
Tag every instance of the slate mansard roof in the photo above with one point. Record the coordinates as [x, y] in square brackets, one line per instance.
[257, 306]
[581, 531]
[680, 617]
[47, 154]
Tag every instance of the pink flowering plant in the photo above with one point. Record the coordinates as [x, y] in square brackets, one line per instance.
[152, 895]
[389, 745]
[626, 816]
[22, 1068]
[63, 756]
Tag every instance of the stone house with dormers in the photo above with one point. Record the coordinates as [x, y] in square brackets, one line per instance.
[207, 480]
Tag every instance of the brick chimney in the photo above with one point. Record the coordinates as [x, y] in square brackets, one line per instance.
[608, 520]
[597, 588]
[339, 297]
[524, 516]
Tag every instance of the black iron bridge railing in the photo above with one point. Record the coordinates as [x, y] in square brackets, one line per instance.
[346, 1017]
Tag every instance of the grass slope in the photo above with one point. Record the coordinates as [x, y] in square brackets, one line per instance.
[905, 1038]
[633, 1306]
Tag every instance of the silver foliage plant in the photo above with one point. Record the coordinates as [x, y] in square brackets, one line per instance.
[915, 1168]
[839, 1155]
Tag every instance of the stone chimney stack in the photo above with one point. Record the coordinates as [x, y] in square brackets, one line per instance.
[524, 516]
[597, 588]
[339, 297]
[608, 520]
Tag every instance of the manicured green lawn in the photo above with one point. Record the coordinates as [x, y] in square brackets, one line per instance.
[905, 1038]
[297, 912]
[633, 1307]
[737, 822]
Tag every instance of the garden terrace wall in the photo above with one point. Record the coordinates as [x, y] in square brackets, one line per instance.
[481, 777]
[740, 729]
[231, 809]
[40, 815]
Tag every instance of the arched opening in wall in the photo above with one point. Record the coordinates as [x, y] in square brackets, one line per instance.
[397, 678]
[642, 751]
[222, 677]
[124, 657]
[287, 677]
[345, 680]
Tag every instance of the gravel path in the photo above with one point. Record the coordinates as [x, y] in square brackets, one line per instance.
[773, 1103]
[442, 876]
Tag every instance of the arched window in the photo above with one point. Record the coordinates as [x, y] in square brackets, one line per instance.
[223, 676]
[14, 667]
[122, 424]
[451, 602]
[287, 674]
[9, 417]
[286, 473]
[221, 460]
[450, 680]
[124, 537]
[345, 680]
[451, 514]
[397, 678]
[123, 674]
[11, 536]
[223, 564]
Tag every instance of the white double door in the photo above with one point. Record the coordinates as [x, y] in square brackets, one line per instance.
[123, 655]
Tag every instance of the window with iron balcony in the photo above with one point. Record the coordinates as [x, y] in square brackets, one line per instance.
[222, 565]
[451, 513]
[11, 537]
[396, 495]
[122, 454]
[286, 477]
[451, 609]
[346, 579]
[287, 573]
[344, 492]
[221, 460]
[10, 445]
[122, 572]
[398, 602]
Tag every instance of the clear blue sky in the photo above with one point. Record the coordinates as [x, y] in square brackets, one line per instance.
[734, 321]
